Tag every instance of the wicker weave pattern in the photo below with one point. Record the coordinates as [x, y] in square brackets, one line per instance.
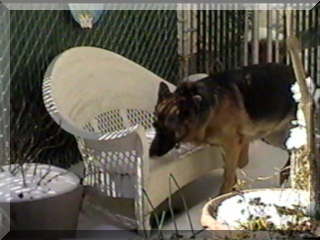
[113, 127]
[113, 173]
[110, 121]
[137, 116]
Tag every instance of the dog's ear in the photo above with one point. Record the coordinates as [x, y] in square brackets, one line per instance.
[163, 92]
[217, 67]
[197, 98]
[197, 101]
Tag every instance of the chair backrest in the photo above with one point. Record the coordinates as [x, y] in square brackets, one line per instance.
[94, 90]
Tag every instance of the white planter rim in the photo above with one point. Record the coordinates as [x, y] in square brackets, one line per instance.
[58, 182]
[210, 210]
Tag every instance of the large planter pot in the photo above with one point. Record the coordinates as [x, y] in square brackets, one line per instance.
[228, 212]
[48, 199]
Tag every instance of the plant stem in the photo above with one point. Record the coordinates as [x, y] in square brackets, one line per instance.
[23, 176]
[183, 201]
[44, 176]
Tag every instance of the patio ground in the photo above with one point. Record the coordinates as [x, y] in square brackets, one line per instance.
[265, 161]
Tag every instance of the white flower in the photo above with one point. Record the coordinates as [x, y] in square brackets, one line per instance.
[298, 135]
[295, 89]
[297, 138]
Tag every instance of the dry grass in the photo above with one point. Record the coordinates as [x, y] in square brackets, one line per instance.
[301, 223]
[301, 171]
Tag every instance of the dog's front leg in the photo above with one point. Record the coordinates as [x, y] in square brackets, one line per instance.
[244, 155]
[232, 149]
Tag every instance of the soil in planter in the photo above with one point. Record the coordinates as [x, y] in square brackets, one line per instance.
[284, 212]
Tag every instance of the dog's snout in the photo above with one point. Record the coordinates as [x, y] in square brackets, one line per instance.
[161, 145]
[152, 151]
[156, 150]
[154, 156]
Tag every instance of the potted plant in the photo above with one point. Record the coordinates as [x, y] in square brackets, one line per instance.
[277, 213]
[40, 196]
[260, 214]
[36, 196]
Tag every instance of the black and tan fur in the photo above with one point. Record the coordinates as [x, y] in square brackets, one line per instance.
[229, 110]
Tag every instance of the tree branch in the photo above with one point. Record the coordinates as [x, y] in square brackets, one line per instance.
[307, 105]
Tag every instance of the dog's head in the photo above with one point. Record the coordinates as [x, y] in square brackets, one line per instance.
[177, 114]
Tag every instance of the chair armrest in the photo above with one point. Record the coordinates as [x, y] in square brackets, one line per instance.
[117, 164]
[116, 152]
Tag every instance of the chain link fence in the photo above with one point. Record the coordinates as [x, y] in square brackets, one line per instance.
[172, 44]
[149, 38]
[4, 84]
[219, 40]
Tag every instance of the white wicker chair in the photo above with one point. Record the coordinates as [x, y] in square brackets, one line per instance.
[106, 101]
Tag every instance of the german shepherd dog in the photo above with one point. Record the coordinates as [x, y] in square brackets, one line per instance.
[228, 110]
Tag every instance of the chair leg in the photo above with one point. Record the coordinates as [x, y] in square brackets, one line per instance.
[144, 227]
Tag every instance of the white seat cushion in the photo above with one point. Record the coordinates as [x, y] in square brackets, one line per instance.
[186, 164]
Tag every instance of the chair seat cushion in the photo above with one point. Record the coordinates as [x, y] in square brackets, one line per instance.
[175, 153]
[186, 164]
